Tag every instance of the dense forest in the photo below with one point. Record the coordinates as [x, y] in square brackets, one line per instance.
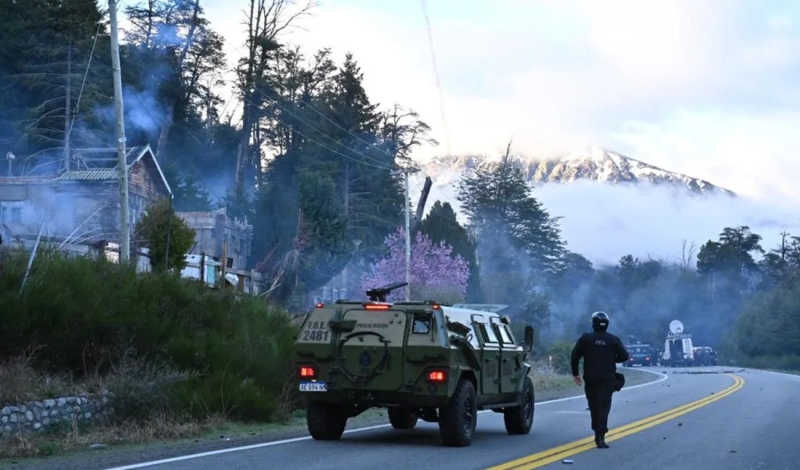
[304, 154]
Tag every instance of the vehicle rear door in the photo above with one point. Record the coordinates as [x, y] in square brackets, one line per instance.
[509, 368]
[370, 352]
[490, 355]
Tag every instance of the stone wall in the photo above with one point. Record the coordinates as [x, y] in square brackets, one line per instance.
[38, 415]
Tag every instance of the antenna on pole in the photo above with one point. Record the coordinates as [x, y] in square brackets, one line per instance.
[122, 164]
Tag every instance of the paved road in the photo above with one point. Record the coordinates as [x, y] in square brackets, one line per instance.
[744, 420]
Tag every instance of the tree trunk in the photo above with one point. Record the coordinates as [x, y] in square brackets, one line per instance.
[170, 117]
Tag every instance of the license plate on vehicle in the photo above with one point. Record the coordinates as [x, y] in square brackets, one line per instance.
[313, 387]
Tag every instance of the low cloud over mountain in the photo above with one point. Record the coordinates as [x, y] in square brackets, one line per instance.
[612, 205]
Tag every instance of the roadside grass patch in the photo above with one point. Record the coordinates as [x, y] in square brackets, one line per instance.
[22, 383]
[67, 438]
[176, 357]
[548, 383]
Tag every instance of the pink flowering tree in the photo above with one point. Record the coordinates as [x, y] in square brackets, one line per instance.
[436, 274]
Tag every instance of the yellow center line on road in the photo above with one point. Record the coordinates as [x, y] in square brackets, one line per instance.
[555, 454]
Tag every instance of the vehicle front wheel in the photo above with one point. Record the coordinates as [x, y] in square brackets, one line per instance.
[457, 419]
[325, 422]
[403, 418]
[519, 419]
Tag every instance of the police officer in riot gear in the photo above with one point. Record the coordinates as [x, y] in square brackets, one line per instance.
[601, 351]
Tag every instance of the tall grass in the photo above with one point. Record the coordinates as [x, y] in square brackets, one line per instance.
[209, 351]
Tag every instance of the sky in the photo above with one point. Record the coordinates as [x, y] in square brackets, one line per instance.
[706, 88]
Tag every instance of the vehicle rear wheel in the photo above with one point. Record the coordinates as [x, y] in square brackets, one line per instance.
[403, 418]
[519, 419]
[457, 419]
[325, 422]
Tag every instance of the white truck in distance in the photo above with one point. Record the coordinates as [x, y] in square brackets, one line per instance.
[678, 347]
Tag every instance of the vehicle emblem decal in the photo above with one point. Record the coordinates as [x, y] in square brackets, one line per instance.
[365, 359]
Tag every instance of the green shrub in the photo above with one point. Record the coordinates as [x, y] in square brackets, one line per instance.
[561, 352]
[140, 389]
[86, 314]
[788, 362]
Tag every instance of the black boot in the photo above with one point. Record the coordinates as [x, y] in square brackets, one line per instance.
[600, 440]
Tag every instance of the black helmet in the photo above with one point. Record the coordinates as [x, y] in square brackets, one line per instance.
[600, 321]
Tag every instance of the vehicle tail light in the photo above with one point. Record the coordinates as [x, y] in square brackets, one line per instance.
[377, 307]
[320, 305]
[307, 372]
[437, 376]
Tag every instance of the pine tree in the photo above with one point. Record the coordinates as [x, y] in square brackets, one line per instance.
[519, 243]
[441, 225]
[498, 200]
[45, 52]
[372, 194]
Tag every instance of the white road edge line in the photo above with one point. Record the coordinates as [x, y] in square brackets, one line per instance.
[350, 431]
[785, 374]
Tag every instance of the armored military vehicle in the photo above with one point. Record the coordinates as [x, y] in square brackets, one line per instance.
[419, 360]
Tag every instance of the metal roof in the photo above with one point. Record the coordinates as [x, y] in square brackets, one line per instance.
[133, 155]
[90, 175]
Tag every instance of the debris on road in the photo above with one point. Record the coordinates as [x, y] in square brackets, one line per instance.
[567, 461]
[708, 371]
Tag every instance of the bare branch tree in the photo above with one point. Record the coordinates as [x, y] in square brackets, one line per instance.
[687, 254]
[265, 21]
[170, 114]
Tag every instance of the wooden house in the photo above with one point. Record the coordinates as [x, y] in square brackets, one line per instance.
[81, 204]
[221, 236]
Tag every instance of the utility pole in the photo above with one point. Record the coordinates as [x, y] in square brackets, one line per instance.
[125, 231]
[408, 241]
[407, 173]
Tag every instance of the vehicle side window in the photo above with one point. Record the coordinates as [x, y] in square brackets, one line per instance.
[487, 333]
[421, 326]
[505, 335]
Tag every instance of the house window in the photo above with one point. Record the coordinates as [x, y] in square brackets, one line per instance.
[16, 215]
[11, 212]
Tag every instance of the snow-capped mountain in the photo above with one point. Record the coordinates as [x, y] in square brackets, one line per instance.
[610, 205]
[592, 164]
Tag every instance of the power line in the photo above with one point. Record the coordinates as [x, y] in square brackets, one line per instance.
[436, 72]
[324, 116]
[276, 102]
[83, 84]
[380, 166]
